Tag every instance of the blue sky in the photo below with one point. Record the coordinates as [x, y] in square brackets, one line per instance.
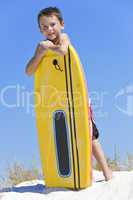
[102, 33]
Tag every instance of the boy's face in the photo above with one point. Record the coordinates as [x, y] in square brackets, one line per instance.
[51, 27]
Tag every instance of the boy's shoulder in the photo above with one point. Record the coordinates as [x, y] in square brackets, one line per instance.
[65, 37]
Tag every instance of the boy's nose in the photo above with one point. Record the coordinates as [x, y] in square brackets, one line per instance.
[50, 28]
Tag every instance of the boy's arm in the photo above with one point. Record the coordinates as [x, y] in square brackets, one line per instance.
[41, 49]
[32, 65]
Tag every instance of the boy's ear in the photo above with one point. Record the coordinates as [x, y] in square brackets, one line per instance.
[62, 24]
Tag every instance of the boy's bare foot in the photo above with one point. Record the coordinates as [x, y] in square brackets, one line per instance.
[108, 175]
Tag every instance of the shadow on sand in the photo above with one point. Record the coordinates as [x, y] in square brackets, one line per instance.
[38, 188]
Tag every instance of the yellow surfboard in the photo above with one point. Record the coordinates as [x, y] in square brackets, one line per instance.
[63, 121]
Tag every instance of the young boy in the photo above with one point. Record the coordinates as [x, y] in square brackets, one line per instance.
[51, 25]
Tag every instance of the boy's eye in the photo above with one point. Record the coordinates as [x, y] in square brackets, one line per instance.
[45, 27]
[53, 24]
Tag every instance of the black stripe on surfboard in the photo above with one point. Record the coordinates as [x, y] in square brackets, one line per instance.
[73, 112]
[70, 121]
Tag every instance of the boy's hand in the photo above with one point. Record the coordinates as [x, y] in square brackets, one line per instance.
[41, 48]
[47, 44]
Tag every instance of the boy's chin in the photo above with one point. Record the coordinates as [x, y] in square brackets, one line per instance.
[52, 38]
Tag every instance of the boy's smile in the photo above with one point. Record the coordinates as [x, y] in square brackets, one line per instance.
[51, 27]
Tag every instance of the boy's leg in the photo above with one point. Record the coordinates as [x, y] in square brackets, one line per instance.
[99, 155]
[97, 149]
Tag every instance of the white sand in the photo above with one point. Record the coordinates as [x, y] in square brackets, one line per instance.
[119, 188]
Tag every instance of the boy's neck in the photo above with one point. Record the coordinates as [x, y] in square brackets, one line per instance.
[57, 41]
